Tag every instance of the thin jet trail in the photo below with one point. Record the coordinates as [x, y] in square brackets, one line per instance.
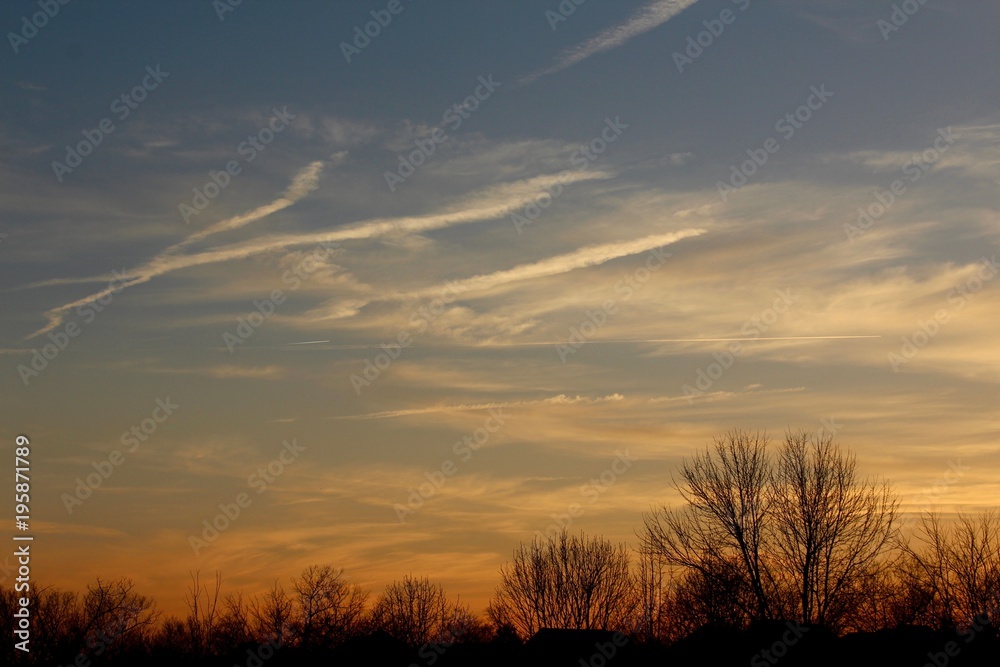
[365, 346]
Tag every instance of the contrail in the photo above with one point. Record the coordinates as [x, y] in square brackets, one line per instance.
[488, 204]
[366, 346]
[645, 19]
[304, 182]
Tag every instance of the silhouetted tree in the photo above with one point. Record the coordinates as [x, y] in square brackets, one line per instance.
[416, 611]
[566, 581]
[328, 608]
[721, 531]
[709, 597]
[651, 586]
[889, 595]
[464, 626]
[800, 534]
[170, 641]
[827, 527]
[235, 624]
[960, 565]
[117, 616]
[272, 614]
[203, 614]
[56, 623]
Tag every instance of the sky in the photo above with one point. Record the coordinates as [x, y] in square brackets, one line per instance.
[398, 285]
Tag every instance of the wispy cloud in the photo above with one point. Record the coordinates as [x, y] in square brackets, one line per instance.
[581, 258]
[722, 395]
[551, 266]
[225, 372]
[645, 19]
[304, 182]
[561, 399]
[490, 204]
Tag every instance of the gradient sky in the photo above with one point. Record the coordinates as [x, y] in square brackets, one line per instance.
[499, 295]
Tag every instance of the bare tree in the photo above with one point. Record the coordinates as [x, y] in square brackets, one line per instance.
[565, 582]
[827, 527]
[720, 533]
[115, 615]
[799, 534]
[170, 639]
[272, 614]
[889, 595]
[975, 562]
[56, 623]
[651, 589]
[203, 605]
[960, 565]
[468, 627]
[694, 599]
[235, 624]
[416, 611]
[328, 607]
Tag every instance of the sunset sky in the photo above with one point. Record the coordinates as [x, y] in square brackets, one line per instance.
[526, 259]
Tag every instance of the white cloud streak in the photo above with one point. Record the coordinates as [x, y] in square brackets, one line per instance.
[578, 259]
[561, 399]
[304, 182]
[645, 19]
[491, 204]
[551, 266]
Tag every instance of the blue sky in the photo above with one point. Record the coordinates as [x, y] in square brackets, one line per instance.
[564, 255]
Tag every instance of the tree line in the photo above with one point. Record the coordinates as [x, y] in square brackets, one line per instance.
[793, 535]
